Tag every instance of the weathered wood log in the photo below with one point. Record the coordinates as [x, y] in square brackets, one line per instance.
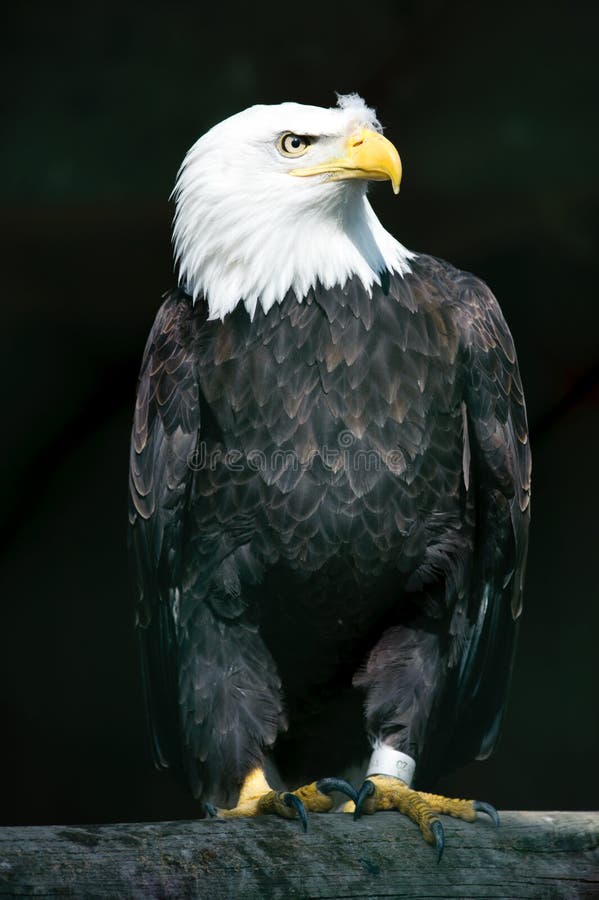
[531, 855]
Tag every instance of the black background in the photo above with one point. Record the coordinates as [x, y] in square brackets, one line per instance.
[493, 108]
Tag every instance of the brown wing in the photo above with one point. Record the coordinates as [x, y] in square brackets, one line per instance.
[500, 478]
[164, 435]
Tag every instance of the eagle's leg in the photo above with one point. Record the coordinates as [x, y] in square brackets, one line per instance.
[257, 798]
[234, 669]
[404, 678]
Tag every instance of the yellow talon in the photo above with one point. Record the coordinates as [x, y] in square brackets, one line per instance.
[257, 798]
[384, 792]
[448, 806]
[313, 799]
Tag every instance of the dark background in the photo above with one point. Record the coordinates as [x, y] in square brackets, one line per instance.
[494, 110]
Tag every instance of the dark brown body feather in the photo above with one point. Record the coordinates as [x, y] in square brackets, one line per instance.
[335, 490]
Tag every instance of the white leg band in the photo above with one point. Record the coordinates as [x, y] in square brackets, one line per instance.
[387, 761]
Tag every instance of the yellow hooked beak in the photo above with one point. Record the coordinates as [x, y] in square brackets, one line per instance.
[368, 155]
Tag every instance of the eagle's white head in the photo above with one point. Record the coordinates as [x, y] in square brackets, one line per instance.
[274, 199]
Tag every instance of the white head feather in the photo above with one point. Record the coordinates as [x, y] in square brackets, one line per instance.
[246, 231]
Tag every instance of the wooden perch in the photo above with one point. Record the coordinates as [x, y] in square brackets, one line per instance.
[532, 854]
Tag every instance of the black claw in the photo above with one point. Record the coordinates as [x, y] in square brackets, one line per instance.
[439, 836]
[296, 803]
[479, 806]
[211, 810]
[326, 785]
[367, 790]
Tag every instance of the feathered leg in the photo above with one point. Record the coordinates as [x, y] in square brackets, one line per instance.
[231, 706]
[404, 679]
[232, 710]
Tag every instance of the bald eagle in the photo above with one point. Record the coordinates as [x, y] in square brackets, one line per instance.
[329, 486]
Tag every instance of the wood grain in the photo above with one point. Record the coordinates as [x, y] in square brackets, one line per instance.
[531, 855]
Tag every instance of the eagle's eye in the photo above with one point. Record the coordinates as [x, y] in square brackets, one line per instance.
[293, 144]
